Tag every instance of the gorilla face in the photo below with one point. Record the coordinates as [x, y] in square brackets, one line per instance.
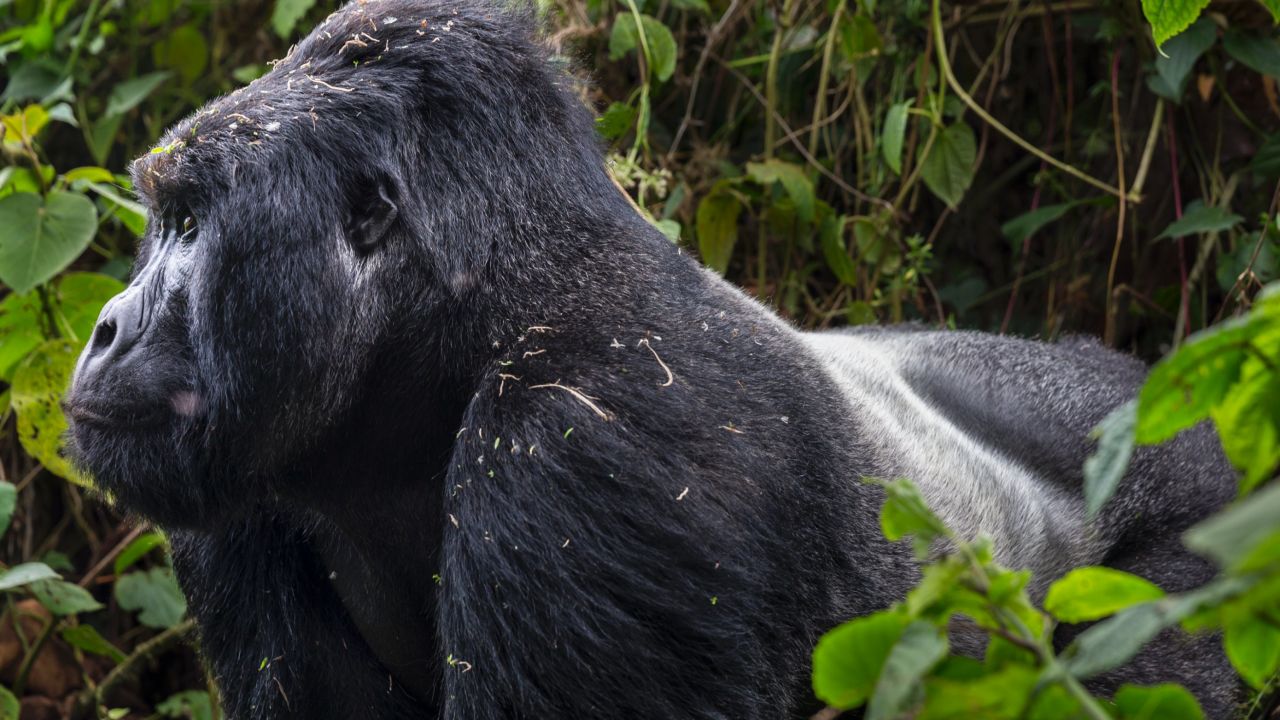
[250, 317]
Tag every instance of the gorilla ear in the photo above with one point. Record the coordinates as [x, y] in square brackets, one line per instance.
[371, 216]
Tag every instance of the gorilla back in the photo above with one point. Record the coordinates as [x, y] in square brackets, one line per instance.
[440, 427]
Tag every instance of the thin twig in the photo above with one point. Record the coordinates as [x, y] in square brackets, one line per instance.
[670, 378]
[578, 395]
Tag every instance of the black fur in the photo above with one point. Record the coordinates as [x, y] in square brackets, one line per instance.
[440, 427]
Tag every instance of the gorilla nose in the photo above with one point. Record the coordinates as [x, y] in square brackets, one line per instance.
[118, 329]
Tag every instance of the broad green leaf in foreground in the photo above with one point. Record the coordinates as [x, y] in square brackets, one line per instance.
[1158, 702]
[921, 646]
[1092, 593]
[1107, 465]
[39, 237]
[1252, 644]
[1230, 536]
[38, 386]
[848, 659]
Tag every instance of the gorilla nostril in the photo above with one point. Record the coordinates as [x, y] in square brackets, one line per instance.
[103, 334]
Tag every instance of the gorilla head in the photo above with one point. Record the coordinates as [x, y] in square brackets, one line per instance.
[337, 213]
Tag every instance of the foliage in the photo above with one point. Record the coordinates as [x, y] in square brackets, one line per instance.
[1102, 167]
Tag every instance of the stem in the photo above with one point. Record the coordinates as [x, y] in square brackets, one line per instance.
[771, 80]
[82, 37]
[820, 101]
[24, 670]
[1109, 334]
[127, 667]
[978, 110]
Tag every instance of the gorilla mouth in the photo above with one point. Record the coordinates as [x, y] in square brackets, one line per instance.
[113, 417]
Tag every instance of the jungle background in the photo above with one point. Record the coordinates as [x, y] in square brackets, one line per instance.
[1036, 168]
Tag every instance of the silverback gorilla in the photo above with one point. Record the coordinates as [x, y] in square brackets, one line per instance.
[439, 427]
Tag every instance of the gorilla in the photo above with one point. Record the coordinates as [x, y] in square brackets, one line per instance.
[440, 427]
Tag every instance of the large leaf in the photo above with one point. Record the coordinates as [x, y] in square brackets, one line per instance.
[1260, 53]
[1179, 57]
[1107, 465]
[1185, 386]
[1092, 593]
[38, 386]
[1199, 218]
[899, 686]
[80, 297]
[793, 179]
[1248, 422]
[1229, 536]
[949, 167]
[895, 128]
[39, 238]
[1170, 17]
[1159, 702]
[155, 593]
[1253, 646]
[19, 331]
[717, 226]
[847, 660]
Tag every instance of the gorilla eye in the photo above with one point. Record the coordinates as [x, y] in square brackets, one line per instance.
[188, 224]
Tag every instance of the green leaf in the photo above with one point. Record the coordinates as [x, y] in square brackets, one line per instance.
[1248, 422]
[834, 249]
[10, 708]
[1197, 218]
[1158, 702]
[899, 686]
[86, 638]
[287, 13]
[793, 179]
[1178, 57]
[1107, 465]
[625, 37]
[24, 125]
[906, 513]
[185, 50]
[1274, 7]
[949, 167]
[19, 331]
[848, 659]
[156, 594]
[1182, 388]
[126, 96]
[616, 121]
[1170, 17]
[8, 501]
[1000, 695]
[1253, 646]
[1092, 593]
[90, 174]
[1231, 535]
[895, 128]
[717, 227]
[1029, 223]
[38, 386]
[25, 574]
[135, 550]
[63, 598]
[859, 38]
[697, 5]
[187, 705]
[42, 237]
[1259, 53]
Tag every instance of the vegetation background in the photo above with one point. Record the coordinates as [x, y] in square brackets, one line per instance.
[1028, 167]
